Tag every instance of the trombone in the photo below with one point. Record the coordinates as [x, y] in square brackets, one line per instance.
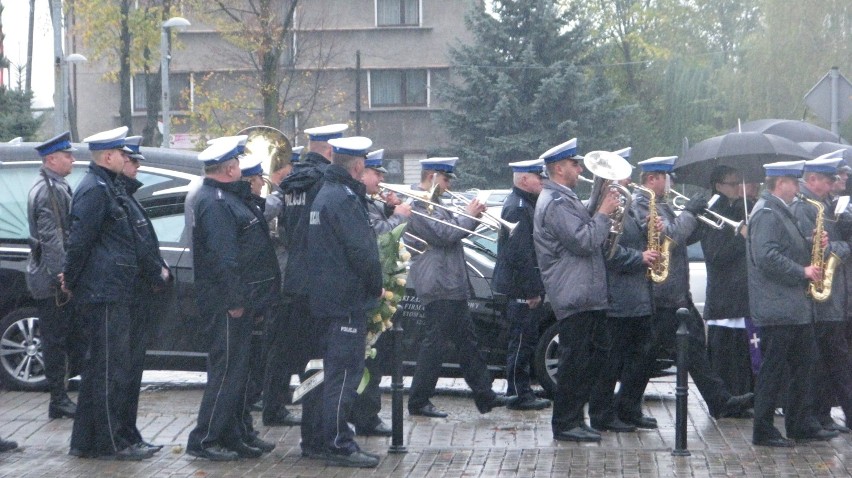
[499, 221]
[711, 218]
[451, 209]
[427, 216]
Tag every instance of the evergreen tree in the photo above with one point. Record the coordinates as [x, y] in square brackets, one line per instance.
[525, 83]
[16, 119]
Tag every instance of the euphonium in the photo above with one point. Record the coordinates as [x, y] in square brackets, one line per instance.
[609, 168]
[820, 290]
[658, 272]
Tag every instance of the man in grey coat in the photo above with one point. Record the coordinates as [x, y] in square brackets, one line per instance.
[778, 255]
[833, 374]
[439, 277]
[48, 206]
[568, 245]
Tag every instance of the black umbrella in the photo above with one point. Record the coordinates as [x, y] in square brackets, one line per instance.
[794, 130]
[825, 147]
[746, 152]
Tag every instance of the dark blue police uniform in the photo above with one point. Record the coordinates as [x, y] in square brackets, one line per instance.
[146, 297]
[101, 269]
[345, 282]
[516, 275]
[235, 267]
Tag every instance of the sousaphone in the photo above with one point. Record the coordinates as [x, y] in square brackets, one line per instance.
[271, 146]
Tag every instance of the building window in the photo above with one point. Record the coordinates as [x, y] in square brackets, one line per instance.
[399, 88]
[180, 88]
[397, 12]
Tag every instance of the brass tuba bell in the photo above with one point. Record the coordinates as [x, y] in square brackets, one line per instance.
[271, 146]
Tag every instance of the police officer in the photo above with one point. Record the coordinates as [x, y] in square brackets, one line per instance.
[101, 269]
[235, 275]
[516, 275]
[385, 215]
[568, 245]
[152, 278]
[345, 282]
[673, 293]
[778, 258]
[628, 321]
[439, 277]
[293, 335]
[833, 375]
[48, 205]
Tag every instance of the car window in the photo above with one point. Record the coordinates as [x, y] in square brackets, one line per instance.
[168, 228]
[482, 243]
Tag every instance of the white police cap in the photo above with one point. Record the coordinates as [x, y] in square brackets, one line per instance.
[659, 164]
[535, 166]
[134, 143]
[444, 165]
[223, 149]
[250, 165]
[624, 153]
[111, 139]
[785, 168]
[351, 146]
[297, 152]
[327, 132]
[824, 164]
[374, 160]
[566, 150]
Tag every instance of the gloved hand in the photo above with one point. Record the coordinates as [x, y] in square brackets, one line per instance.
[696, 205]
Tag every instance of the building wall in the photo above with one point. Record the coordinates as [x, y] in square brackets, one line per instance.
[342, 27]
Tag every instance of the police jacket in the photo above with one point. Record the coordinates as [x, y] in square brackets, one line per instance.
[235, 265]
[48, 204]
[440, 273]
[382, 218]
[345, 275]
[101, 261]
[833, 309]
[844, 226]
[568, 246]
[629, 291]
[516, 272]
[300, 188]
[727, 272]
[683, 230]
[777, 253]
[147, 244]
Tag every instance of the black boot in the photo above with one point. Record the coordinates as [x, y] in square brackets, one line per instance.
[60, 405]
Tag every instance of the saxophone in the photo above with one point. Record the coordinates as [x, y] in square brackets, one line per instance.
[820, 290]
[659, 272]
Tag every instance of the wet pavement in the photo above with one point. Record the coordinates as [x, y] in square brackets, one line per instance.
[502, 443]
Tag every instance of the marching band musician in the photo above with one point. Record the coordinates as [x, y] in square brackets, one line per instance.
[384, 217]
[778, 257]
[629, 322]
[726, 308]
[439, 277]
[833, 375]
[673, 293]
[568, 244]
[345, 282]
[236, 275]
[517, 276]
[292, 337]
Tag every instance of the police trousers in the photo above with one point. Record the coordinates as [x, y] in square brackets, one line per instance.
[63, 342]
[105, 386]
[343, 364]
[523, 337]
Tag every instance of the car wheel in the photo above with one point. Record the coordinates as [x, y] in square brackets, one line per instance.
[21, 359]
[547, 359]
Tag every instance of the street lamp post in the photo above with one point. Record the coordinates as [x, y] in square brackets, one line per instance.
[63, 94]
[60, 62]
[165, 57]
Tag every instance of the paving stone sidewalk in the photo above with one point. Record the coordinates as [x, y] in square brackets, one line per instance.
[503, 443]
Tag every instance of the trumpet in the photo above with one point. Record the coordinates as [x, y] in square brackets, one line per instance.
[501, 223]
[432, 204]
[711, 218]
[427, 216]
